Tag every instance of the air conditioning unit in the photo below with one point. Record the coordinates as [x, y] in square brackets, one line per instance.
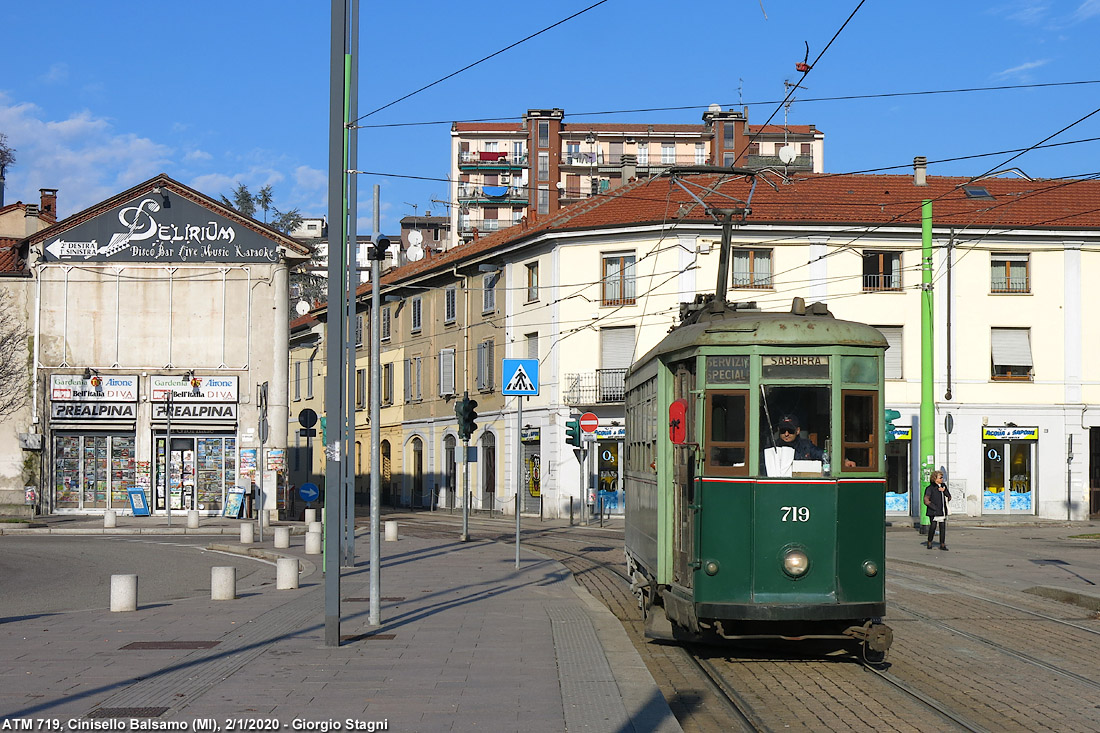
[505, 180]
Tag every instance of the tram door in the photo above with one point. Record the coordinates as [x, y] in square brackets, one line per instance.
[683, 484]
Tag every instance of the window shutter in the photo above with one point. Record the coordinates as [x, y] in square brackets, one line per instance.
[408, 379]
[616, 347]
[447, 372]
[481, 362]
[1011, 347]
[491, 377]
[297, 380]
[893, 351]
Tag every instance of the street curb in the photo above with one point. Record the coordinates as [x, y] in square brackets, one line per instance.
[201, 531]
[1090, 601]
[305, 567]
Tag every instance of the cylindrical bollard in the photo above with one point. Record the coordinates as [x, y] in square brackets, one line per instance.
[123, 593]
[282, 537]
[311, 516]
[286, 573]
[192, 518]
[110, 517]
[246, 533]
[391, 530]
[313, 543]
[317, 527]
[223, 583]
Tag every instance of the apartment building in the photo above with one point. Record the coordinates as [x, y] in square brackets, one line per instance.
[589, 290]
[504, 172]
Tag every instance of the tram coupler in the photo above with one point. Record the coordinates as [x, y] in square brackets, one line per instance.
[875, 636]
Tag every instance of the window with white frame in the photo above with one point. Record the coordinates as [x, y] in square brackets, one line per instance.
[544, 133]
[700, 154]
[1010, 272]
[446, 372]
[1011, 354]
[893, 351]
[668, 153]
[618, 279]
[544, 200]
[385, 335]
[752, 268]
[489, 292]
[417, 313]
[387, 384]
[643, 153]
[544, 166]
[517, 151]
[485, 374]
[450, 298]
[532, 282]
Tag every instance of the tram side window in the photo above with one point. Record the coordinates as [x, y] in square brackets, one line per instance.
[860, 416]
[727, 432]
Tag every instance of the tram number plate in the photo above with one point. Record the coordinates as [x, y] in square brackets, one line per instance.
[795, 513]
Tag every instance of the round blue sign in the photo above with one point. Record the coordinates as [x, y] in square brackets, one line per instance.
[309, 492]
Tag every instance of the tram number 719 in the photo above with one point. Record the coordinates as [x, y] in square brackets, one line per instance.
[795, 513]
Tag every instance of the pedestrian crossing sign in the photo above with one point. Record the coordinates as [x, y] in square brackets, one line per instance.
[521, 377]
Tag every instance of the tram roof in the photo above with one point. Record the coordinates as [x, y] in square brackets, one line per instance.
[716, 325]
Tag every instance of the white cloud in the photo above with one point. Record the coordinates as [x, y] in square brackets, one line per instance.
[193, 156]
[1021, 69]
[1087, 9]
[57, 73]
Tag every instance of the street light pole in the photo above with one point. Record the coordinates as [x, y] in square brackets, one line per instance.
[168, 457]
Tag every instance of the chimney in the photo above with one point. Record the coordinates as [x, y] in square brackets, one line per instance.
[49, 203]
[30, 219]
[630, 166]
[920, 171]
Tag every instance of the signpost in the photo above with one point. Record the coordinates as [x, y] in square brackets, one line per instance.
[521, 378]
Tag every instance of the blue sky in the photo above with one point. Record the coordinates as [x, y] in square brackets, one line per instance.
[96, 97]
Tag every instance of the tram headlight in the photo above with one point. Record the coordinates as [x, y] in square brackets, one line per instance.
[870, 568]
[711, 567]
[795, 562]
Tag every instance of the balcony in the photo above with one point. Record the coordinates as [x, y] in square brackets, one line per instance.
[483, 226]
[800, 163]
[472, 194]
[491, 161]
[595, 388]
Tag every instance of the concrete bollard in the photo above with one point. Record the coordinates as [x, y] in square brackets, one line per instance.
[282, 537]
[223, 583]
[391, 530]
[110, 519]
[313, 543]
[317, 527]
[123, 593]
[311, 516]
[246, 533]
[286, 573]
[192, 519]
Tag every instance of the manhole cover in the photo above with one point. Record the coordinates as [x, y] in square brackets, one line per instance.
[127, 713]
[170, 645]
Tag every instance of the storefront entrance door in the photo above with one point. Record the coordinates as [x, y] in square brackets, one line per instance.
[1008, 477]
[897, 478]
[93, 471]
[202, 469]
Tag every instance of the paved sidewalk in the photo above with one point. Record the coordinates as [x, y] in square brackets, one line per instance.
[467, 643]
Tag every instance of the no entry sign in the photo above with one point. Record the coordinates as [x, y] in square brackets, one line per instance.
[589, 422]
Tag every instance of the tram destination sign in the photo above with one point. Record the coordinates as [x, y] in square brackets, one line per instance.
[727, 369]
[796, 366]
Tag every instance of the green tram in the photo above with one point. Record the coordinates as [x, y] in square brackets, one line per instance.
[734, 528]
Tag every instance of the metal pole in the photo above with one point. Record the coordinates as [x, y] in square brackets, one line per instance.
[375, 416]
[519, 469]
[168, 459]
[927, 375]
[334, 397]
[350, 107]
[260, 468]
[465, 490]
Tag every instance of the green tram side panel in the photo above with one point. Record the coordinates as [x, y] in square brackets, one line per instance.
[724, 533]
[861, 536]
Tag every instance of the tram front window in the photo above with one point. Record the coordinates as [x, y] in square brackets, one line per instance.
[727, 432]
[794, 431]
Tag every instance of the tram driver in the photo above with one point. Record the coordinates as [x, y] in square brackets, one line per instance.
[802, 448]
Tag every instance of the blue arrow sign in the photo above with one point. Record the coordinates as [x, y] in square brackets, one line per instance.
[309, 492]
[521, 377]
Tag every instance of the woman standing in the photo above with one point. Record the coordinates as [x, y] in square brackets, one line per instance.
[936, 497]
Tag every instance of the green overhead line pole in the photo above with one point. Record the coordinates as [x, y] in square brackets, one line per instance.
[927, 372]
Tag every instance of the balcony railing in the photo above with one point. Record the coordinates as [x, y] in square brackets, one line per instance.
[467, 192]
[594, 388]
[484, 226]
[800, 163]
[492, 160]
[881, 282]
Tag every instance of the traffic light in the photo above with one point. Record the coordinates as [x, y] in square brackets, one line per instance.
[573, 433]
[464, 411]
[891, 416]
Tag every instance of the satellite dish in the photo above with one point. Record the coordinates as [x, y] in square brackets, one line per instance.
[414, 253]
[415, 238]
[787, 154]
[302, 308]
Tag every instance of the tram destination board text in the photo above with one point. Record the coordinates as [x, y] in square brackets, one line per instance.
[796, 366]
